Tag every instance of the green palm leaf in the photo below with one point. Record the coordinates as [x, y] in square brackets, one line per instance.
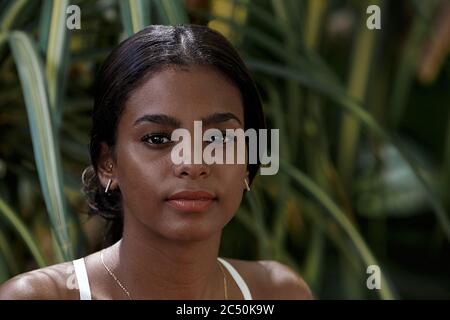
[9, 15]
[44, 139]
[340, 217]
[171, 12]
[54, 40]
[338, 95]
[135, 15]
[18, 225]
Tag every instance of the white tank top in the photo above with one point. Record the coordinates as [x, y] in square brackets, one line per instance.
[85, 290]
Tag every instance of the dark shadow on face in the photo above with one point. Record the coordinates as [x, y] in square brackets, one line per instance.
[175, 98]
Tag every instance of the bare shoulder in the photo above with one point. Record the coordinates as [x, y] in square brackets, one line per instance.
[272, 280]
[285, 282]
[49, 283]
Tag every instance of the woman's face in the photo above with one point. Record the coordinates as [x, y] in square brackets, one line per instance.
[144, 170]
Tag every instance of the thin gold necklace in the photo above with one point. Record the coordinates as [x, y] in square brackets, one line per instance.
[225, 289]
[128, 293]
[114, 277]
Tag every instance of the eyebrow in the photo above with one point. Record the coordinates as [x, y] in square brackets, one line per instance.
[220, 117]
[159, 119]
[164, 119]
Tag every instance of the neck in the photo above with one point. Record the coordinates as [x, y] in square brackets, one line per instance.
[154, 267]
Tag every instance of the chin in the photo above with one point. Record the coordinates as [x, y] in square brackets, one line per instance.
[191, 231]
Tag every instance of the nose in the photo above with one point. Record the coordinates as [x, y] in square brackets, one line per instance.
[193, 171]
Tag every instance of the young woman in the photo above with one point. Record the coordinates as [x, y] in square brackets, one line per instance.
[168, 217]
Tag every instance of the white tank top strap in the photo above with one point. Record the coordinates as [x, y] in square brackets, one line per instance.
[82, 279]
[85, 290]
[237, 277]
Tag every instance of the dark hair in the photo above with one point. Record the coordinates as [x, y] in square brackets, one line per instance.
[129, 65]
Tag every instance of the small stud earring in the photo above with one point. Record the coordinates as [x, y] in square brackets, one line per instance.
[108, 185]
[246, 184]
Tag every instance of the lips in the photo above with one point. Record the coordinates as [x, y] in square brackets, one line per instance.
[191, 201]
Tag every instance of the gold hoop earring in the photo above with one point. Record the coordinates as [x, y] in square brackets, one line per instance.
[108, 185]
[246, 184]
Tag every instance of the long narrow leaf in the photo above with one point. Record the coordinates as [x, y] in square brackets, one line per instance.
[338, 95]
[171, 12]
[44, 24]
[9, 15]
[408, 63]
[56, 56]
[45, 142]
[340, 217]
[6, 251]
[135, 15]
[23, 232]
[357, 86]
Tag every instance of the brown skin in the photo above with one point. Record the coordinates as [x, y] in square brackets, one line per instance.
[165, 253]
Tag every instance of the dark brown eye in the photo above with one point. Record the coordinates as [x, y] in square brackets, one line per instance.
[220, 137]
[156, 138]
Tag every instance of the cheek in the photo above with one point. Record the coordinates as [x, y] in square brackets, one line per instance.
[140, 175]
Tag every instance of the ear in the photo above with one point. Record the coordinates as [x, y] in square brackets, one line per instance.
[106, 167]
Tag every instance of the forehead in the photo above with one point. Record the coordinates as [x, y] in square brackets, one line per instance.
[186, 94]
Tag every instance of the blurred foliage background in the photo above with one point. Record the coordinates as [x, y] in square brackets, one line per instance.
[364, 126]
